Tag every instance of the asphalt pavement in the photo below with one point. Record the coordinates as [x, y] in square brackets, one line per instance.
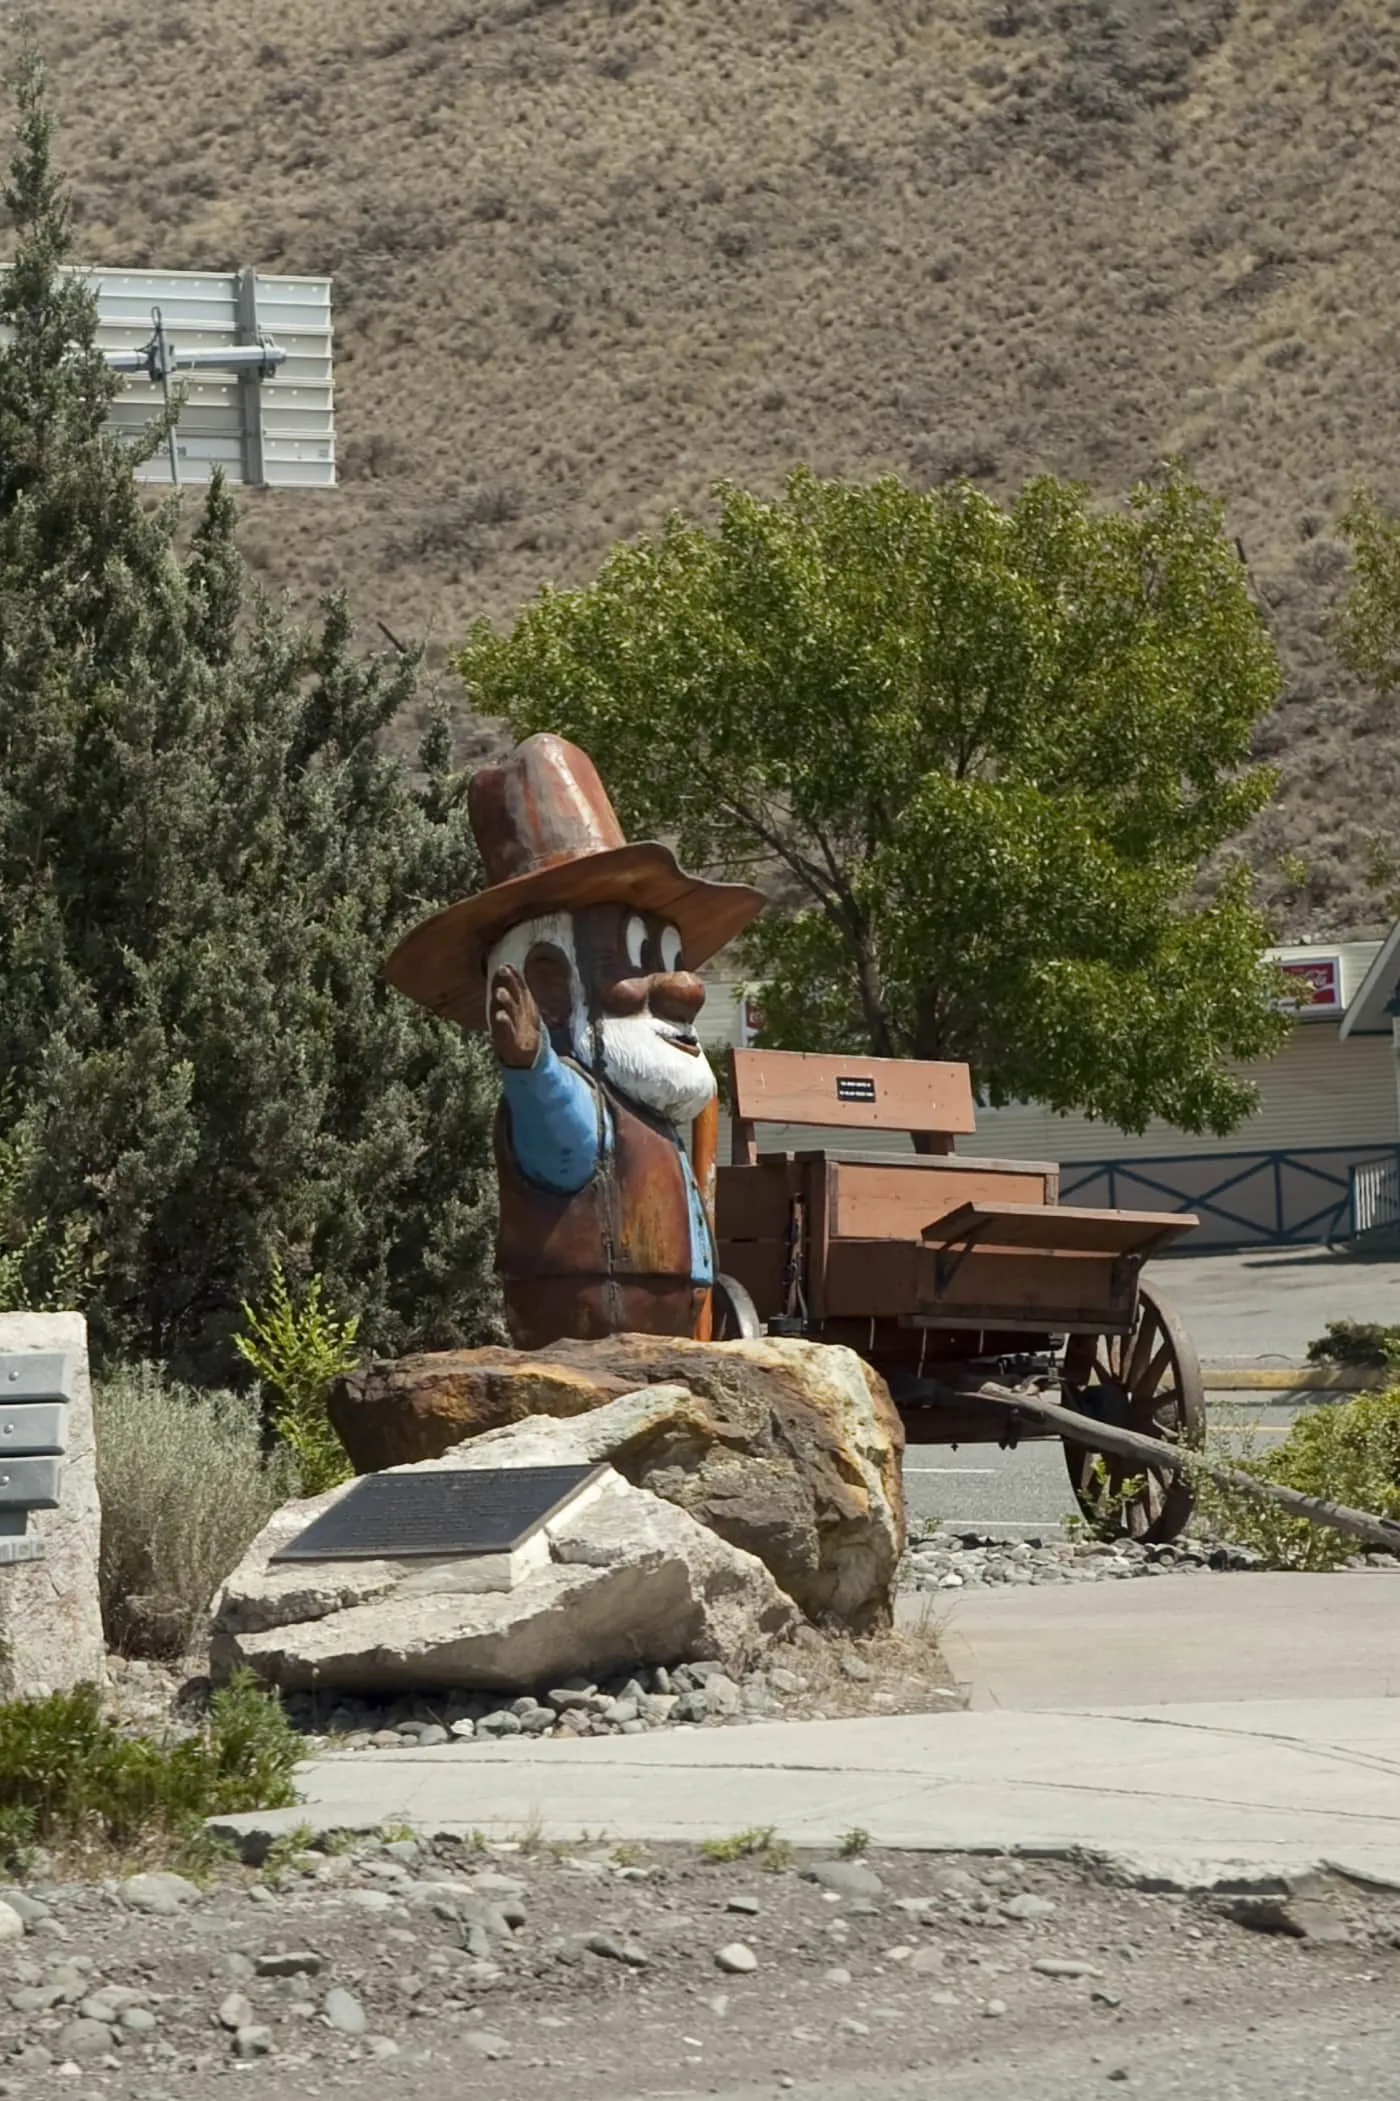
[1025, 1493]
[1344, 2047]
[1264, 1306]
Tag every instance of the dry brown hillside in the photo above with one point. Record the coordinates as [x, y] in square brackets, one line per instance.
[592, 254]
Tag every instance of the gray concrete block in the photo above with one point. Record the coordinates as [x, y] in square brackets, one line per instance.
[50, 1619]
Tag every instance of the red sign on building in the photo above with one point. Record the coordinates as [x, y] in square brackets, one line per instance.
[750, 1022]
[1315, 986]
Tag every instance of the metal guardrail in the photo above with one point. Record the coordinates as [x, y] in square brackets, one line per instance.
[36, 1388]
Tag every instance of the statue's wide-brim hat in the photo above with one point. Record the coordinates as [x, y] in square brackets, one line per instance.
[550, 842]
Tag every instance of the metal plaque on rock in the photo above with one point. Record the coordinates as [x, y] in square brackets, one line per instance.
[483, 1510]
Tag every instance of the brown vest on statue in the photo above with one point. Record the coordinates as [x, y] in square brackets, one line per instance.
[612, 1259]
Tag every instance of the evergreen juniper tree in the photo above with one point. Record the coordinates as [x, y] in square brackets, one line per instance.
[205, 853]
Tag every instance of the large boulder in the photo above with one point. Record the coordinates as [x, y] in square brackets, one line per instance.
[618, 1579]
[788, 1449]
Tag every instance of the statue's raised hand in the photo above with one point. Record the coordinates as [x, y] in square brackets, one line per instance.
[514, 1018]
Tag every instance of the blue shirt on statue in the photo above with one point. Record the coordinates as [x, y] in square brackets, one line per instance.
[561, 1127]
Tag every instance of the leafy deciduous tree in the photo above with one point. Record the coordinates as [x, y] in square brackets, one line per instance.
[985, 752]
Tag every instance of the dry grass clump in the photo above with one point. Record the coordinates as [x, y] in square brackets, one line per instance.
[184, 1488]
[590, 255]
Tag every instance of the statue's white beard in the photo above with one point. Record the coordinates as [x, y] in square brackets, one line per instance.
[637, 1058]
[640, 1063]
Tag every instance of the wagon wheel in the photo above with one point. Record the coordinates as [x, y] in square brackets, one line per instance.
[1148, 1380]
[735, 1317]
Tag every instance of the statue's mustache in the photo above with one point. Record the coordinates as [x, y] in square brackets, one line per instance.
[657, 1062]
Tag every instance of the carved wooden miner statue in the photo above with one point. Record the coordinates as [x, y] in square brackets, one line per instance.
[580, 959]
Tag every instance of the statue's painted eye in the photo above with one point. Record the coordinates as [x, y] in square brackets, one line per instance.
[670, 949]
[636, 940]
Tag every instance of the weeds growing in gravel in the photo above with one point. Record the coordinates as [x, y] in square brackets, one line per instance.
[281, 1855]
[531, 1839]
[69, 1776]
[760, 1842]
[289, 1852]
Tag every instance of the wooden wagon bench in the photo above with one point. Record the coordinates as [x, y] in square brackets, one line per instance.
[944, 1272]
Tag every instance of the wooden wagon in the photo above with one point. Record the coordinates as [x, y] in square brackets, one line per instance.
[951, 1274]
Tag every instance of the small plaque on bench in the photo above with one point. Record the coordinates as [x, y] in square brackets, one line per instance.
[483, 1510]
[855, 1090]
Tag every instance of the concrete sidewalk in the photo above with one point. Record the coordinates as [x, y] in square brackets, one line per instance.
[1186, 1720]
[1272, 1784]
[1171, 1641]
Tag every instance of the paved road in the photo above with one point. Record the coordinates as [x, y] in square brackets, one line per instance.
[1265, 1306]
[1344, 2048]
[1026, 1494]
[978, 1488]
[1259, 1308]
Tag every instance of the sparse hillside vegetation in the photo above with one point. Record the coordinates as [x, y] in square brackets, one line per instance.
[592, 254]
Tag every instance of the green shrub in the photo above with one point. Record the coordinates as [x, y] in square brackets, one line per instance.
[68, 1775]
[208, 845]
[296, 1350]
[1364, 1344]
[1348, 1453]
[184, 1487]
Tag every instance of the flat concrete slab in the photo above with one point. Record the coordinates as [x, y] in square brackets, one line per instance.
[1171, 1641]
[1280, 1785]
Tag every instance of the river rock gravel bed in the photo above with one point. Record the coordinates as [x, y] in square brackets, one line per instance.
[816, 1677]
[513, 1970]
[939, 1560]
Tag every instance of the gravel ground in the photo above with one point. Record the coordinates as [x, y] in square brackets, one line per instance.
[815, 1678]
[954, 1561]
[1334, 2049]
[939, 1560]
[514, 1970]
